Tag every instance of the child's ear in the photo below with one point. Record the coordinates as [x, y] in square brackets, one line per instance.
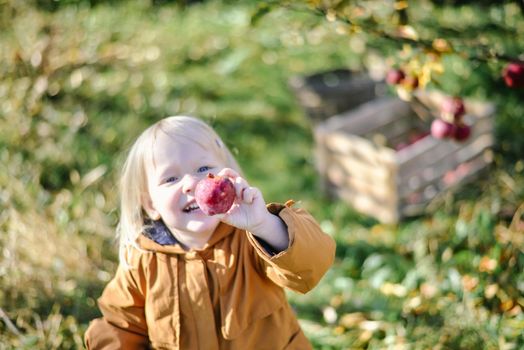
[149, 208]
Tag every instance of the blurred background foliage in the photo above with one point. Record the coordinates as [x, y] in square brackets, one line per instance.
[79, 80]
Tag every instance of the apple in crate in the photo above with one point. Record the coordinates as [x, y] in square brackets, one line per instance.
[462, 132]
[453, 108]
[215, 194]
[441, 129]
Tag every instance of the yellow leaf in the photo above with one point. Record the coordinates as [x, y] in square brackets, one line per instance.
[404, 93]
[342, 29]
[506, 305]
[515, 311]
[355, 29]
[338, 330]
[425, 76]
[408, 32]
[428, 290]
[491, 290]
[365, 336]
[401, 5]
[487, 264]
[352, 319]
[437, 67]
[331, 15]
[441, 45]
[395, 289]
[469, 282]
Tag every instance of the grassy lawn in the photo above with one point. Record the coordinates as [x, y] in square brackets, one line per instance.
[78, 85]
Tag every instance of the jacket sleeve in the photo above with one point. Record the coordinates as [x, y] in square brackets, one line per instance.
[310, 253]
[122, 305]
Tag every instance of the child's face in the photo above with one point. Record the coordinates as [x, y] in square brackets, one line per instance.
[176, 169]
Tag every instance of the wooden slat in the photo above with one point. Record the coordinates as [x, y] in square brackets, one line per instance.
[372, 191]
[360, 172]
[378, 115]
[480, 109]
[396, 128]
[397, 131]
[477, 165]
[432, 99]
[368, 116]
[383, 190]
[355, 168]
[466, 171]
[431, 174]
[402, 138]
[368, 205]
[358, 148]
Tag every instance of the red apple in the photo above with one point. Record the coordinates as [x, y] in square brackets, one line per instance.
[453, 108]
[395, 76]
[441, 129]
[215, 194]
[461, 132]
[514, 75]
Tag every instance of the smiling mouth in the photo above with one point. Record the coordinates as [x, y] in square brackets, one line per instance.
[190, 207]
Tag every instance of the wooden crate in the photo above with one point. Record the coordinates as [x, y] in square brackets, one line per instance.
[325, 94]
[356, 157]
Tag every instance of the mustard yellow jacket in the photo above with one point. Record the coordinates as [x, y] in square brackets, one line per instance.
[229, 295]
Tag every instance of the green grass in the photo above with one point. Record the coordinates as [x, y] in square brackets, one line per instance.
[79, 84]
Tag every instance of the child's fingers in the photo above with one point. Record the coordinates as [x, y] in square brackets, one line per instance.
[249, 194]
[240, 185]
[237, 180]
[245, 193]
[220, 216]
[228, 172]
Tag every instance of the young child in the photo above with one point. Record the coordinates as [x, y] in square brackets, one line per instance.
[191, 281]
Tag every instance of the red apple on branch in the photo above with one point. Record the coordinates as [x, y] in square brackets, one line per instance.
[514, 75]
[395, 76]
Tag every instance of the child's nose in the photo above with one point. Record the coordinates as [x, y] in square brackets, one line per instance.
[189, 183]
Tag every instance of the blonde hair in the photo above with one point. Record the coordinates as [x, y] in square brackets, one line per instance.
[133, 181]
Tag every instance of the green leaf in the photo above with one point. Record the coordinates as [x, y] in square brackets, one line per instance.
[261, 10]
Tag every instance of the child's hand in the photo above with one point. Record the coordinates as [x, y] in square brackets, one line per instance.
[249, 212]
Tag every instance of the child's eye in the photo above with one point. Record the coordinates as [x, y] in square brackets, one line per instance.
[171, 179]
[204, 168]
